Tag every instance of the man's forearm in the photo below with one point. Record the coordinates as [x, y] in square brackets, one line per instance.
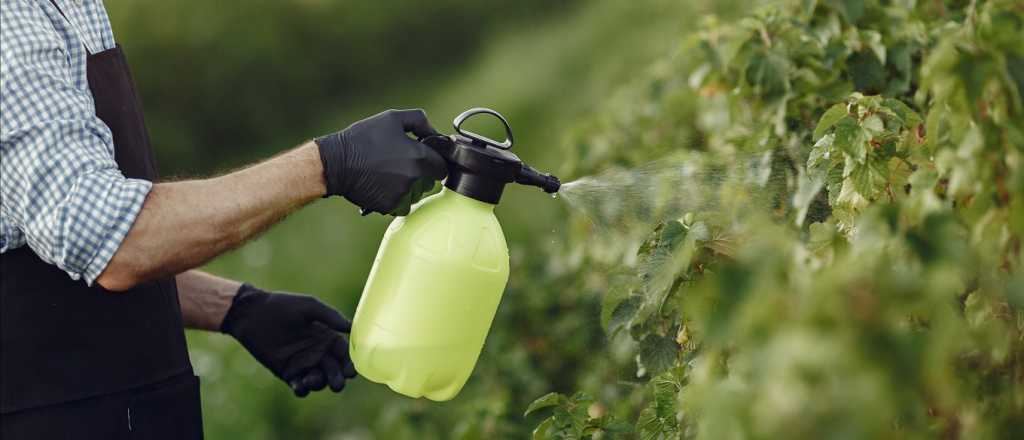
[184, 224]
[205, 299]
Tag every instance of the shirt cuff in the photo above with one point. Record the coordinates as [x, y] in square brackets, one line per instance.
[100, 224]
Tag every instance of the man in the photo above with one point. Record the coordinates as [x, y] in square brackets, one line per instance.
[98, 261]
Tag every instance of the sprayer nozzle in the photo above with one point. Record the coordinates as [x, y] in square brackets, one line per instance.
[529, 176]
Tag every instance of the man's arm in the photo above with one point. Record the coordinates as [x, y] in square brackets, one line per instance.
[181, 225]
[205, 299]
[184, 224]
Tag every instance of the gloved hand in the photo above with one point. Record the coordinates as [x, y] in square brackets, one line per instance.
[374, 164]
[296, 337]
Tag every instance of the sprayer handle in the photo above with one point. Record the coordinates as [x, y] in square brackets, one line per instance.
[479, 138]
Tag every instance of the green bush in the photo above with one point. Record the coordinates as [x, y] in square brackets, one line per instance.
[856, 272]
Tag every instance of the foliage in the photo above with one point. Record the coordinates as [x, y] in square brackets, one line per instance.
[870, 286]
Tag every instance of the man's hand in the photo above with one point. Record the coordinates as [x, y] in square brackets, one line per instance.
[374, 164]
[295, 337]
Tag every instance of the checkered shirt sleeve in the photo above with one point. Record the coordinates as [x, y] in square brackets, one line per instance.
[61, 192]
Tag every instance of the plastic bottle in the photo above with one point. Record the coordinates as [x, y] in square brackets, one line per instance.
[440, 272]
[431, 296]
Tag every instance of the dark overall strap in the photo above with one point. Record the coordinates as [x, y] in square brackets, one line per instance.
[62, 340]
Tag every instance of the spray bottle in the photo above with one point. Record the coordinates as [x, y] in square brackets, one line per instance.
[441, 270]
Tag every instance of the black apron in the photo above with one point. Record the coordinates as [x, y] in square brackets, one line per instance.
[82, 362]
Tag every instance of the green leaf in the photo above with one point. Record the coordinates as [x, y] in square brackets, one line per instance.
[624, 313]
[820, 157]
[873, 124]
[831, 116]
[657, 353]
[850, 138]
[671, 235]
[768, 73]
[542, 431]
[658, 419]
[870, 178]
[545, 401]
[851, 10]
[907, 116]
[620, 287]
[873, 40]
[616, 426]
[808, 187]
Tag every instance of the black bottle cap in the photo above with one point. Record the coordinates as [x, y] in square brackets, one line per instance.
[479, 167]
[476, 171]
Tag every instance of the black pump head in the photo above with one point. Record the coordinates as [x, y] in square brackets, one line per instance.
[479, 167]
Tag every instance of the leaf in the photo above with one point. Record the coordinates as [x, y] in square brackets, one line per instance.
[850, 138]
[851, 10]
[542, 431]
[671, 235]
[808, 186]
[648, 425]
[666, 391]
[623, 314]
[831, 116]
[833, 183]
[616, 426]
[820, 158]
[657, 353]
[873, 40]
[545, 401]
[873, 124]
[658, 419]
[768, 73]
[869, 178]
[620, 287]
[907, 116]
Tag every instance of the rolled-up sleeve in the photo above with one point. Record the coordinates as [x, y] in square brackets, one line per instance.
[61, 192]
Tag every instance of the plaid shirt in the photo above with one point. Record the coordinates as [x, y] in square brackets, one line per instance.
[61, 192]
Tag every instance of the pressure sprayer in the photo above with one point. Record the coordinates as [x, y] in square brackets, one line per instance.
[441, 270]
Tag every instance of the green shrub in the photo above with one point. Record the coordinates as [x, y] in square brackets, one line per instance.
[864, 282]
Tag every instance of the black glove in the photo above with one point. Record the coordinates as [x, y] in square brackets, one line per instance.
[296, 337]
[374, 164]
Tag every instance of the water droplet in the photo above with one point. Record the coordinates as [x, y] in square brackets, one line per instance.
[554, 195]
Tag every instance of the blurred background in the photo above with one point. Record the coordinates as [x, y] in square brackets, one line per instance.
[229, 82]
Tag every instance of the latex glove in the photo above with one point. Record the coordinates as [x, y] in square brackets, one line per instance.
[296, 337]
[376, 165]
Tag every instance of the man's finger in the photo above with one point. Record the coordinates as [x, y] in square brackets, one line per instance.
[349, 370]
[332, 371]
[319, 311]
[314, 380]
[298, 388]
[415, 121]
[436, 167]
[339, 350]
